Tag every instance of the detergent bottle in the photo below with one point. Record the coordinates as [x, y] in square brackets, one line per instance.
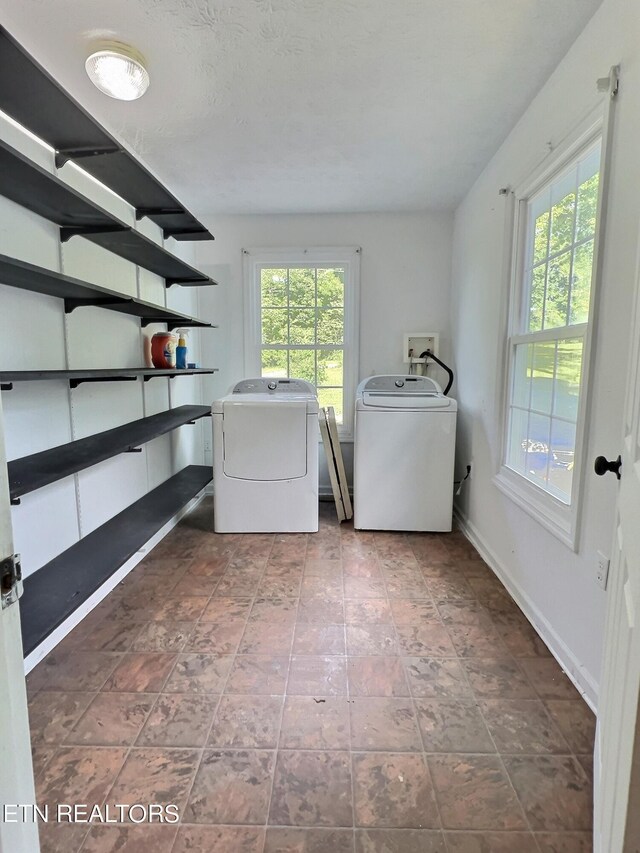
[181, 350]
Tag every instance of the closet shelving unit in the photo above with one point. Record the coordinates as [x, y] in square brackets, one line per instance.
[32, 97]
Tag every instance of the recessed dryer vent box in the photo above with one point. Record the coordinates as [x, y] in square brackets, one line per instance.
[419, 342]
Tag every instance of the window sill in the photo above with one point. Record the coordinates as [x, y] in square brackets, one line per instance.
[557, 519]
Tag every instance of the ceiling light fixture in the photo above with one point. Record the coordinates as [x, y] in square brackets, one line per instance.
[118, 70]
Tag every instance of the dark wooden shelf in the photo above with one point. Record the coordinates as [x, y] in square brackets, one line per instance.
[77, 294]
[40, 469]
[57, 589]
[34, 99]
[29, 185]
[77, 377]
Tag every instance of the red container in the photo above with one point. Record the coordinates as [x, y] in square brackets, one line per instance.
[163, 350]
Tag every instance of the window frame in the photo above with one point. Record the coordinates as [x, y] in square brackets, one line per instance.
[559, 518]
[344, 257]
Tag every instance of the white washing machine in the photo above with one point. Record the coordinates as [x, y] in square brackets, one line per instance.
[405, 436]
[265, 457]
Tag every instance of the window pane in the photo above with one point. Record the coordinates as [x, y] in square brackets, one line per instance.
[331, 326]
[522, 376]
[569, 371]
[302, 323]
[273, 288]
[556, 303]
[274, 326]
[562, 214]
[587, 206]
[543, 371]
[302, 364]
[581, 284]
[536, 297]
[274, 362]
[330, 287]
[330, 367]
[563, 448]
[517, 439]
[541, 237]
[332, 397]
[537, 447]
[302, 286]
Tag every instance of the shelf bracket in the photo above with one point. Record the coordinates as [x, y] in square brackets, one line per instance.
[73, 383]
[71, 304]
[15, 501]
[141, 212]
[6, 386]
[187, 233]
[188, 281]
[69, 231]
[63, 155]
[133, 450]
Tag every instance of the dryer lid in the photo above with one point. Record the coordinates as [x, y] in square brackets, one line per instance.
[264, 440]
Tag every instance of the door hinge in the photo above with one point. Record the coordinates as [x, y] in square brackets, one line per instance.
[10, 580]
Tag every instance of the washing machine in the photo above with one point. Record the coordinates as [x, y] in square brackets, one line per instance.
[405, 433]
[265, 457]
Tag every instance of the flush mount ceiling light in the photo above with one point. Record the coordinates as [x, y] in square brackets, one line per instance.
[118, 71]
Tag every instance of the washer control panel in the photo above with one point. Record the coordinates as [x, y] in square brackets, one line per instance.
[274, 385]
[401, 385]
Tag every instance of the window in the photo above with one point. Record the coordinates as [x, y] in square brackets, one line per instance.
[303, 321]
[552, 294]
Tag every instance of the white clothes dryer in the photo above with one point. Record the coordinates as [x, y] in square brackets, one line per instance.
[405, 433]
[265, 457]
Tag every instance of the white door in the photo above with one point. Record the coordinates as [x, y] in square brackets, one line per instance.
[617, 772]
[16, 773]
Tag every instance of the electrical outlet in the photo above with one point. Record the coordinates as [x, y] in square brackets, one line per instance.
[602, 571]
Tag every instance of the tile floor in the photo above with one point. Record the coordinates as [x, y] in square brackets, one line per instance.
[342, 693]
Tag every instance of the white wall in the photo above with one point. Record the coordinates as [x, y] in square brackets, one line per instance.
[404, 283]
[37, 335]
[556, 585]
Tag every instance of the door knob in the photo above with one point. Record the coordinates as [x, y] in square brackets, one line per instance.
[603, 466]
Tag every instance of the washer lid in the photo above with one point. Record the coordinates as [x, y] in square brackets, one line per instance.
[402, 392]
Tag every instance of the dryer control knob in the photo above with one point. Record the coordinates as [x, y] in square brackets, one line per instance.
[272, 386]
[399, 383]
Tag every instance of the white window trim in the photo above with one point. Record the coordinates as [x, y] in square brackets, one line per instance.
[349, 258]
[560, 519]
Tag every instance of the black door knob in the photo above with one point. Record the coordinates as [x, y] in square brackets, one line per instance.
[603, 466]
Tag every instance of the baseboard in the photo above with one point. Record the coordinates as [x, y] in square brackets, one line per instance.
[576, 672]
[100, 594]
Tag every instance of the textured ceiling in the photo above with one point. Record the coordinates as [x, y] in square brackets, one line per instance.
[284, 106]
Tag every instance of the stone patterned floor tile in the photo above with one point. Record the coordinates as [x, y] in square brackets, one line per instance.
[315, 675]
[155, 775]
[430, 638]
[163, 636]
[112, 719]
[554, 791]
[452, 725]
[79, 774]
[376, 676]
[130, 839]
[576, 721]
[52, 715]
[315, 723]
[315, 639]
[179, 719]
[384, 724]
[141, 672]
[399, 841]
[219, 839]
[199, 673]
[247, 722]
[523, 726]
[436, 678]
[312, 789]
[474, 792]
[371, 640]
[393, 790]
[309, 840]
[231, 787]
[490, 842]
[220, 638]
[366, 611]
[258, 675]
[498, 677]
[548, 679]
